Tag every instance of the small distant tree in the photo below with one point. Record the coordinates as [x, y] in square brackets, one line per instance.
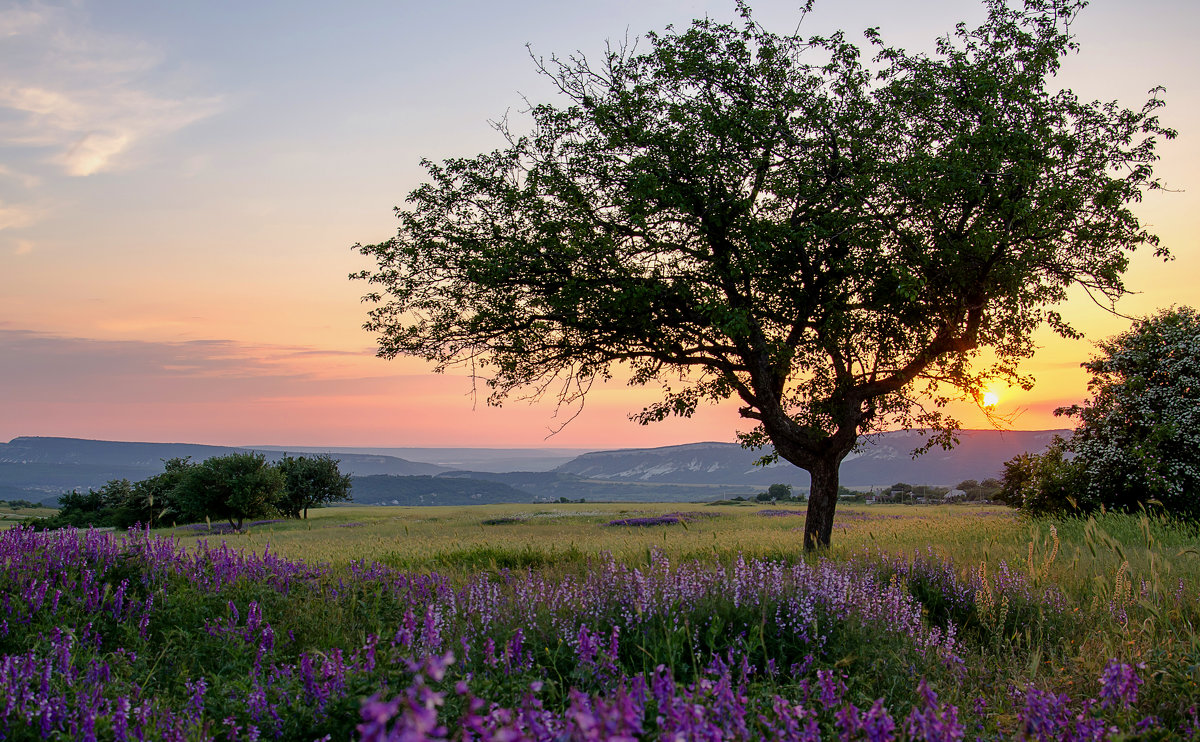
[310, 481]
[849, 495]
[967, 485]
[232, 488]
[990, 486]
[780, 492]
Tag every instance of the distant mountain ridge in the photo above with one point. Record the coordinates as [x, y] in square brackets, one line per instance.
[880, 461]
[35, 449]
[42, 468]
[495, 460]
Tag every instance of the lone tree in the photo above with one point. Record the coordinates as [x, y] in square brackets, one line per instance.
[735, 213]
[310, 482]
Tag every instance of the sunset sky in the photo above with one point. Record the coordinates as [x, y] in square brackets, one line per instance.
[181, 184]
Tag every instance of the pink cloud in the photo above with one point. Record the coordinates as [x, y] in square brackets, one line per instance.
[220, 391]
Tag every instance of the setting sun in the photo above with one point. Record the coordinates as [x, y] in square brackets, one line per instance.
[990, 399]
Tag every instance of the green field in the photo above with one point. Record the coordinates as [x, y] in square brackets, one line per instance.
[10, 515]
[459, 539]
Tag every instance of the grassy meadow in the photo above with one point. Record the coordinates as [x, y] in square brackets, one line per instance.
[547, 622]
[458, 540]
[10, 515]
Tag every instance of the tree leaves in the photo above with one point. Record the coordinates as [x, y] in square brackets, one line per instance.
[772, 219]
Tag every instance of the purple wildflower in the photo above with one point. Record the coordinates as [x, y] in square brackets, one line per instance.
[1119, 684]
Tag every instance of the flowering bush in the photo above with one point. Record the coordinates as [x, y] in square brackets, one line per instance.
[1138, 439]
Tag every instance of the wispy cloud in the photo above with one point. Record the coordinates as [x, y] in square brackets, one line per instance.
[15, 216]
[84, 96]
[25, 180]
[43, 363]
[221, 391]
[200, 389]
[20, 20]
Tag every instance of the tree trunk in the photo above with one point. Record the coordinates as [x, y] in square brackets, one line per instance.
[820, 453]
[822, 500]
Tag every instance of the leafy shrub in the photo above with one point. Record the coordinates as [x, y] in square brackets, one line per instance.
[1138, 441]
[1044, 483]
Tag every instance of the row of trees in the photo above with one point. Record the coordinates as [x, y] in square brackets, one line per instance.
[18, 504]
[783, 493]
[1138, 441]
[974, 490]
[970, 489]
[233, 488]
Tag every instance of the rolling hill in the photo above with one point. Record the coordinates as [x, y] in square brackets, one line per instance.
[881, 461]
[40, 469]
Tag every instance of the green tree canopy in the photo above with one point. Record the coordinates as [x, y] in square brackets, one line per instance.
[233, 487]
[734, 213]
[780, 491]
[310, 481]
[95, 507]
[152, 501]
[1042, 483]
